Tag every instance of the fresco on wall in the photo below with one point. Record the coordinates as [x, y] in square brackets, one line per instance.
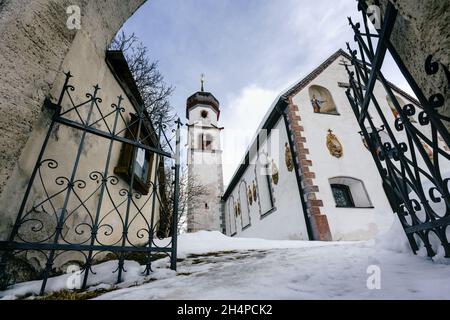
[334, 145]
[428, 151]
[322, 100]
[288, 158]
[250, 196]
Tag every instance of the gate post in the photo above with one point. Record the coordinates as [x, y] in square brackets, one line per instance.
[173, 258]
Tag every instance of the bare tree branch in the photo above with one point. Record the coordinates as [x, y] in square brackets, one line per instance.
[190, 196]
[149, 80]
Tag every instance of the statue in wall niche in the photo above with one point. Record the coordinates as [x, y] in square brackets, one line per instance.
[250, 196]
[334, 145]
[254, 191]
[322, 101]
[316, 103]
[275, 173]
[288, 158]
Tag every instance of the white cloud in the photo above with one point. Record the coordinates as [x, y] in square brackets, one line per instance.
[241, 118]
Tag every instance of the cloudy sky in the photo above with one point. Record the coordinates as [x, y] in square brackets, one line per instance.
[250, 51]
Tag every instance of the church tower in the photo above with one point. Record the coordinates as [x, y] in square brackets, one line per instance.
[204, 162]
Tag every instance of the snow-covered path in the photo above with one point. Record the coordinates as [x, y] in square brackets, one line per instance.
[213, 266]
[293, 270]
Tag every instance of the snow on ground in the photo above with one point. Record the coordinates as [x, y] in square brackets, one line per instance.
[217, 267]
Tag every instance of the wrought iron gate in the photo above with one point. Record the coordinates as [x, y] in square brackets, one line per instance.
[410, 154]
[71, 212]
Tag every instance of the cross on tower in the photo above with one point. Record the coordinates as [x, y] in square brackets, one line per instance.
[202, 80]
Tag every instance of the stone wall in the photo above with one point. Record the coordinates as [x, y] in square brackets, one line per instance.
[34, 41]
[422, 29]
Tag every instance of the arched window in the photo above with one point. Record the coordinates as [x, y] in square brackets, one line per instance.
[342, 195]
[205, 142]
[245, 208]
[349, 193]
[265, 195]
[232, 216]
[322, 100]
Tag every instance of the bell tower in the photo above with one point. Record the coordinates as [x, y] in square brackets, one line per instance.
[204, 162]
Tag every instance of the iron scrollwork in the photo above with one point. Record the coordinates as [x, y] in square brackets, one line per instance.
[409, 155]
[69, 211]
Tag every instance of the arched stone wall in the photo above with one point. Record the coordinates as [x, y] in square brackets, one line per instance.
[420, 31]
[34, 41]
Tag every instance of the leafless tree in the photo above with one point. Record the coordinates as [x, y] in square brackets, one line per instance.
[191, 194]
[150, 82]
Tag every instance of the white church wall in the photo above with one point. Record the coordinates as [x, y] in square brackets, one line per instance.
[372, 213]
[357, 163]
[283, 220]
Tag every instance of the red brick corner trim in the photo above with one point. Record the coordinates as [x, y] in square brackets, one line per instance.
[318, 220]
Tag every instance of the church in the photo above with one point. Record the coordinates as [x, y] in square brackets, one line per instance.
[307, 174]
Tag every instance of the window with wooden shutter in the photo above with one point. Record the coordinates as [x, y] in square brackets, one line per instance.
[143, 159]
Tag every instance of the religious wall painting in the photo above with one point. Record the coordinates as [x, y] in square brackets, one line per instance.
[428, 151]
[275, 173]
[334, 145]
[250, 196]
[238, 209]
[288, 158]
[322, 100]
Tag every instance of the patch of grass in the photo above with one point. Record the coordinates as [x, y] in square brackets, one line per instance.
[139, 257]
[241, 257]
[212, 254]
[68, 295]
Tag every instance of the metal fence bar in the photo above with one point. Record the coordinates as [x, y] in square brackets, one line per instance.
[176, 194]
[399, 162]
[105, 174]
[56, 243]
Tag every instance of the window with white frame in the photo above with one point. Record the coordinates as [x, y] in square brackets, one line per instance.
[350, 193]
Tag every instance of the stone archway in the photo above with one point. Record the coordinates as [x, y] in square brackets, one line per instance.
[34, 42]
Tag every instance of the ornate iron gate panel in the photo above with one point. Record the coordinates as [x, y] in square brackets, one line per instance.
[411, 149]
[84, 205]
